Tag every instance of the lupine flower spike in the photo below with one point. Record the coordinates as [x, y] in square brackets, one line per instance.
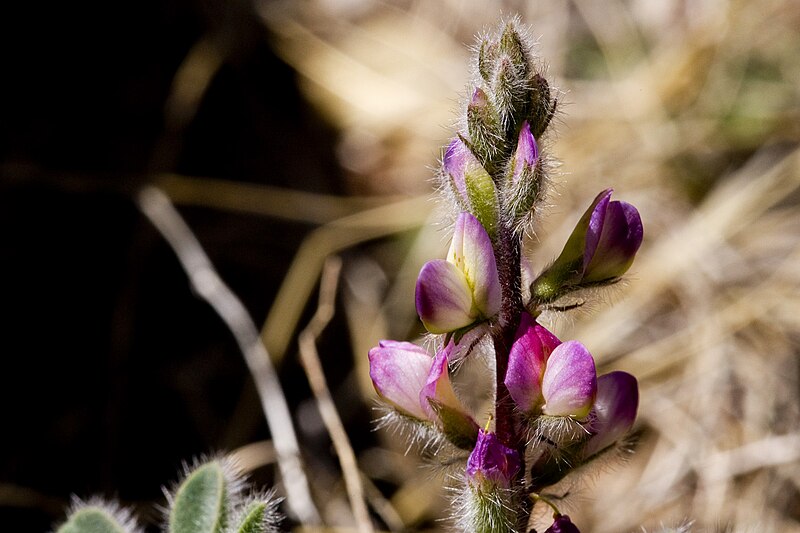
[495, 175]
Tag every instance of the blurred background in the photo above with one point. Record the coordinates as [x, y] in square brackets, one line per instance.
[287, 133]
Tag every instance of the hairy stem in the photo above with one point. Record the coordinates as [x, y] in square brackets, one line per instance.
[506, 417]
[508, 265]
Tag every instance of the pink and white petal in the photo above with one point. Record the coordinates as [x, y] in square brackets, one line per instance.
[472, 252]
[547, 339]
[438, 387]
[399, 371]
[443, 297]
[569, 385]
[527, 361]
[526, 364]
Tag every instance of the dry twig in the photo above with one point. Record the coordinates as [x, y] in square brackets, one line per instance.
[316, 378]
[157, 207]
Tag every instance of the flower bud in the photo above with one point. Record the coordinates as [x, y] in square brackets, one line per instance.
[542, 106]
[464, 289]
[492, 463]
[510, 88]
[524, 182]
[511, 45]
[399, 371]
[526, 363]
[569, 383]
[547, 376]
[485, 132]
[525, 156]
[487, 56]
[473, 186]
[600, 250]
[613, 237]
[562, 524]
[614, 410]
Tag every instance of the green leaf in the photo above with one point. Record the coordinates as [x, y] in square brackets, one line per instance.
[255, 519]
[201, 502]
[92, 519]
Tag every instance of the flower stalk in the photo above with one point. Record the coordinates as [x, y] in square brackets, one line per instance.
[549, 405]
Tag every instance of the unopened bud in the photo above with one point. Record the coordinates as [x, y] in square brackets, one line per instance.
[524, 184]
[492, 462]
[472, 185]
[509, 86]
[600, 250]
[483, 125]
[542, 106]
[487, 55]
[511, 45]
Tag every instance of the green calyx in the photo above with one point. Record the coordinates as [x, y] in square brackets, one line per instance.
[511, 45]
[542, 106]
[482, 195]
[457, 427]
[491, 511]
[486, 135]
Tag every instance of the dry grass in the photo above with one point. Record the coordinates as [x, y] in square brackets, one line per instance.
[691, 110]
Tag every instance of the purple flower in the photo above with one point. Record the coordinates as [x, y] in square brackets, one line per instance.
[562, 524]
[569, 384]
[526, 155]
[547, 376]
[493, 462]
[600, 249]
[613, 236]
[614, 410]
[526, 363]
[399, 371]
[464, 289]
[418, 386]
